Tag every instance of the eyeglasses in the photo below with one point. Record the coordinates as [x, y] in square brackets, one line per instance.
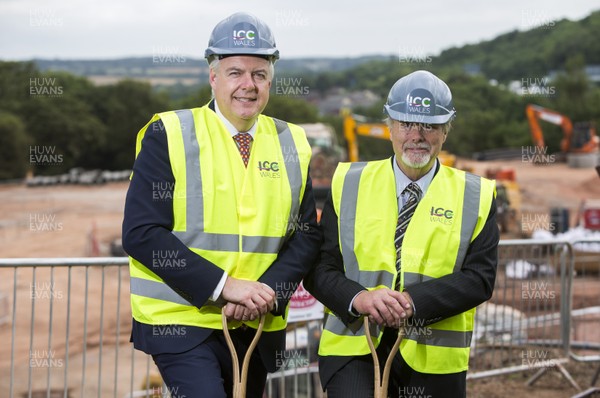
[421, 127]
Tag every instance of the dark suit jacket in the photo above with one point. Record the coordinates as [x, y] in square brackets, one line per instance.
[434, 300]
[147, 228]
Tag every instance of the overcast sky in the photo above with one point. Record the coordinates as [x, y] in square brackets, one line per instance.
[94, 29]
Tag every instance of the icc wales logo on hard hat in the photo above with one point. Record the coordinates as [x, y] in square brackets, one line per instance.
[244, 34]
[420, 101]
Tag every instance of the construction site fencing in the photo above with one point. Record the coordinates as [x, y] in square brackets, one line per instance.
[526, 324]
[585, 313]
[65, 325]
[66, 328]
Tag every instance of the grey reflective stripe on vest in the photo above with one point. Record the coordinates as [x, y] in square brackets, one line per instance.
[438, 338]
[156, 290]
[348, 232]
[194, 235]
[356, 328]
[348, 212]
[347, 235]
[422, 335]
[292, 167]
[470, 212]
[412, 278]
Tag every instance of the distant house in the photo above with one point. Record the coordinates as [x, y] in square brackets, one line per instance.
[592, 72]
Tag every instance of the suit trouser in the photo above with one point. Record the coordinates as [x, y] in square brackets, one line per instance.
[207, 371]
[355, 380]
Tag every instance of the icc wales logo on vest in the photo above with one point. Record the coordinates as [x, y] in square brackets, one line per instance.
[441, 215]
[269, 169]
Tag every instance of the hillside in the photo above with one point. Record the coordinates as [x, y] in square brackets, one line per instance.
[536, 52]
[542, 47]
[164, 68]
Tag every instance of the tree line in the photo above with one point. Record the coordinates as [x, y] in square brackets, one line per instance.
[51, 122]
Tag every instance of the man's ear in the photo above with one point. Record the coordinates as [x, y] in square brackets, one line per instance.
[212, 76]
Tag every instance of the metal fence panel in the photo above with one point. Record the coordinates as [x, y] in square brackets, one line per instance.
[585, 314]
[65, 325]
[66, 329]
[525, 325]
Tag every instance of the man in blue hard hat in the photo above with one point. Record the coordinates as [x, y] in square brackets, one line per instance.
[411, 244]
[210, 222]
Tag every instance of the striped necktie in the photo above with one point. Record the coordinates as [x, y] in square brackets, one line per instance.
[414, 195]
[243, 141]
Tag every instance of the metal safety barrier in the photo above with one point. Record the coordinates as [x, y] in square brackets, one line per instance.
[65, 325]
[533, 320]
[525, 325]
[585, 314]
[65, 330]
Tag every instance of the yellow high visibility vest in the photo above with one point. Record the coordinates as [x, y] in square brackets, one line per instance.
[447, 219]
[236, 217]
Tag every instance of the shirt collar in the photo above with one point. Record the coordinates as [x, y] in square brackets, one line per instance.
[232, 130]
[402, 180]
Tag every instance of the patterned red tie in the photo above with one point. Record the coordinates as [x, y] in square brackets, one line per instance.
[243, 141]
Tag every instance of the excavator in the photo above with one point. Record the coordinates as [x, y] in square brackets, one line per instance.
[581, 138]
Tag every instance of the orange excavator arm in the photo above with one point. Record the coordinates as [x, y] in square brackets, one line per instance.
[535, 112]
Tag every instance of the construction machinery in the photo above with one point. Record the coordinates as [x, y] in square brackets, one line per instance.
[580, 138]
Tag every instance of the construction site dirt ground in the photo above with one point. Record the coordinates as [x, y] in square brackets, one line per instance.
[81, 221]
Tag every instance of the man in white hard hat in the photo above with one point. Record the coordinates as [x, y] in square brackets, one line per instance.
[215, 196]
[411, 244]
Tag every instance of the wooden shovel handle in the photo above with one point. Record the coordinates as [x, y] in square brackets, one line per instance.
[381, 381]
[240, 378]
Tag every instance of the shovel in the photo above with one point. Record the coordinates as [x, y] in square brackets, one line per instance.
[381, 381]
[240, 378]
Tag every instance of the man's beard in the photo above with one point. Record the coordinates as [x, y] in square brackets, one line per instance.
[418, 161]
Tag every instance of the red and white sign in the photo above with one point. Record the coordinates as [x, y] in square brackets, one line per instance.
[304, 307]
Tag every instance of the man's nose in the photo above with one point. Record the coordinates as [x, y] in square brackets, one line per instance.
[248, 82]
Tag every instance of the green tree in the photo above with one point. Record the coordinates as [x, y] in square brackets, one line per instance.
[124, 109]
[199, 98]
[290, 109]
[14, 142]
